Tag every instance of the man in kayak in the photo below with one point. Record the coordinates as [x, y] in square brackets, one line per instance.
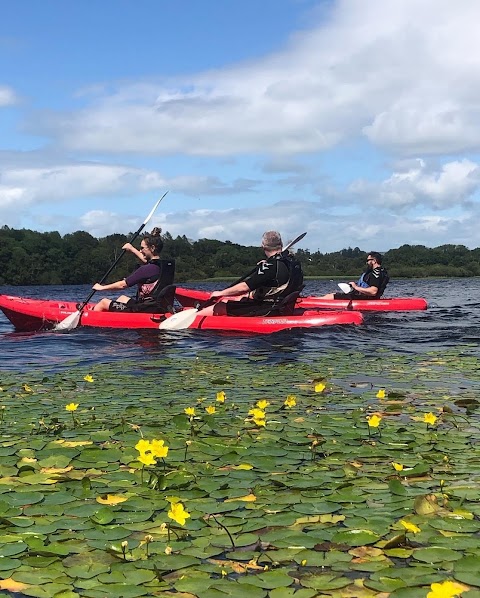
[272, 280]
[370, 285]
[145, 277]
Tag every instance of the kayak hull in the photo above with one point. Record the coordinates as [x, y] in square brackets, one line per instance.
[191, 297]
[31, 315]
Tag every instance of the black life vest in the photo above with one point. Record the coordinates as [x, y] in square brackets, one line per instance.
[294, 282]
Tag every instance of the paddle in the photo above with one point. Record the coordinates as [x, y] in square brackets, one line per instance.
[345, 287]
[72, 321]
[184, 319]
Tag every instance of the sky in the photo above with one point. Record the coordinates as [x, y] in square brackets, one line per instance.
[357, 121]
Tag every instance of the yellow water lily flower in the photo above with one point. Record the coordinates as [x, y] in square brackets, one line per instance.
[320, 387]
[210, 409]
[190, 411]
[178, 513]
[290, 401]
[397, 466]
[221, 396]
[159, 449]
[259, 422]
[143, 445]
[257, 413]
[27, 388]
[263, 404]
[446, 589]
[71, 407]
[381, 394]
[88, 378]
[147, 459]
[410, 527]
[374, 420]
[430, 418]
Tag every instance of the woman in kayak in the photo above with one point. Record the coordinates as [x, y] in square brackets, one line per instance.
[145, 277]
[370, 285]
[271, 281]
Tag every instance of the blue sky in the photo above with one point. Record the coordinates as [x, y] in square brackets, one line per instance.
[358, 122]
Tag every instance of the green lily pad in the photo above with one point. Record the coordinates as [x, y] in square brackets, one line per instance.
[356, 537]
[324, 581]
[268, 580]
[467, 570]
[436, 554]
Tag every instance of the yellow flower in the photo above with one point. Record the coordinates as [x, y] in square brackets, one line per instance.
[410, 527]
[263, 404]
[27, 388]
[190, 411]
[374, 420]
[178, 514]
[381, 394]
[159, 449]
[430, 418]
[320, 387]
[290, 401]
[221, 396]
[143, 446]
[257, 413]
[88, 378]
[210, 409]
[147, 459]
[397, 466]
[168, 550]
[71, 407]
[259, 422]
[446, 589]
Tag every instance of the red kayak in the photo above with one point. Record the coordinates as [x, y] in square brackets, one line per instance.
[191, 297]
[38, 314]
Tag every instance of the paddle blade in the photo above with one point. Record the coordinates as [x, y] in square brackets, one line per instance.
[70, 322]
[345, 287]
[180, 321]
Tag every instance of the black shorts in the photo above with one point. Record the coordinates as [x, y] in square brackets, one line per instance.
[250, 307]
[119, 306]
[353, 296]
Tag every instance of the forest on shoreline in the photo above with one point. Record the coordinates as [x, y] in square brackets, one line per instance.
[32, 258]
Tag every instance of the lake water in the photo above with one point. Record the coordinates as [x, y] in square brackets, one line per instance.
[451, 320]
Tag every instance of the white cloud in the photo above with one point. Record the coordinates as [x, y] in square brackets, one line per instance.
[8, 97]
[454, 184]
[403, 73]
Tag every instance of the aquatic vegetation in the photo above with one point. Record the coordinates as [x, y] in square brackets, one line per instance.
[264, 496]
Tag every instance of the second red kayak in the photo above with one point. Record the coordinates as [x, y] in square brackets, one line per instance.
[191, 297]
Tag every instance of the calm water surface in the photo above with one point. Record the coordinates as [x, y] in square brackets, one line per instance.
[451, 320]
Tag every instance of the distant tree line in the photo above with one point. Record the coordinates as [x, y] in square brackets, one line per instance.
[32, 258]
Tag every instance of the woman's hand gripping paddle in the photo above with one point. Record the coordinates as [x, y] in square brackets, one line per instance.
[185, 318]
[72, 321]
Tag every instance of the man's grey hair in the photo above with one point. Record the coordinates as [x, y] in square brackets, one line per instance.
[272, 240]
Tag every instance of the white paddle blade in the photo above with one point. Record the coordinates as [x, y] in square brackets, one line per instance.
[184, 319]
[70, 322]
[345, 287]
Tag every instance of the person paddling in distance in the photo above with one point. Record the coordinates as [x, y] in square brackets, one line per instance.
[273, 279]
[370, 285]
[145, 276]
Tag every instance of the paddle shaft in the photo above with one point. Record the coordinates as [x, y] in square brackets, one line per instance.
[134, 236]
